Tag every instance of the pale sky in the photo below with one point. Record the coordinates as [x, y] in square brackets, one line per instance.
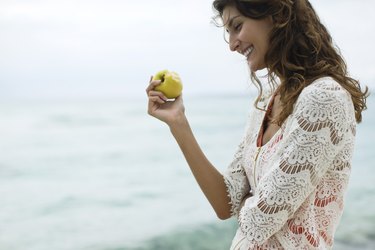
[109, 48]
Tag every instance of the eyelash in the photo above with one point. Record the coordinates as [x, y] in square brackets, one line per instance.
[238, 27]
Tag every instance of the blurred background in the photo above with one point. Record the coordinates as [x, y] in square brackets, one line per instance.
[82, 165]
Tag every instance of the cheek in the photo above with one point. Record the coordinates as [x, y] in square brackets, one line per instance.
[248, 33]
[244, 36]
[263, 42]
[266, 36]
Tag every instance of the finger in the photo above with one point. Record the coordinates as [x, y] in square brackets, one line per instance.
[152, 85]
[156, 99]
[157, 93]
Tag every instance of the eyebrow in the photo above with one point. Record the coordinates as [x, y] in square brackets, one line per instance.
[230, 23]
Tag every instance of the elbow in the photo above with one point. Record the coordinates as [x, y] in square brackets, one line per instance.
[224, 211]
[223, 215]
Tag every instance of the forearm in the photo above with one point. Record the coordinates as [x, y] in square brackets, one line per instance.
[210, 180]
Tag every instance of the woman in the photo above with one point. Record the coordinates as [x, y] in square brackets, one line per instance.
[288, 178]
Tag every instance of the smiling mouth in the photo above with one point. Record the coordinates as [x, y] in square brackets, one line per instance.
[248, 51]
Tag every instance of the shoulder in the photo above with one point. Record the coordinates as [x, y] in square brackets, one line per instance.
[324, 92]
[324, 103]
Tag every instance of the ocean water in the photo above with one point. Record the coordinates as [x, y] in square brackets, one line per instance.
[103, 175]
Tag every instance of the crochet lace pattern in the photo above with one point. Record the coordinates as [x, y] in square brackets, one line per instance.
[299, 177]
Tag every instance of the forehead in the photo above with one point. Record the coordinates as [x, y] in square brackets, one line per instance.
[229, 13]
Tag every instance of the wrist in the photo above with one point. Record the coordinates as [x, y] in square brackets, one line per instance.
[179, 122]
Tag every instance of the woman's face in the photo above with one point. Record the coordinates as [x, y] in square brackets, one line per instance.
[248, 37]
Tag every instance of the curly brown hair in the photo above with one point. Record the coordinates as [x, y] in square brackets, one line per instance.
[301, 50]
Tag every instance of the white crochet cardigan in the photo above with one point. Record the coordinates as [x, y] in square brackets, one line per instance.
[299, 177]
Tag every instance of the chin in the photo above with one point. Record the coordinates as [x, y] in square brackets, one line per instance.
[254, 67]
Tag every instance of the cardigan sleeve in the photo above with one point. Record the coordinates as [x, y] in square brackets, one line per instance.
[236, 180]
[313, 136]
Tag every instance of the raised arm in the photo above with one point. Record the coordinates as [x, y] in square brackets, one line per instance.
[210, 180]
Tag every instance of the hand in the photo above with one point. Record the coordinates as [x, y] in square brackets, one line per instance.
[160, 107]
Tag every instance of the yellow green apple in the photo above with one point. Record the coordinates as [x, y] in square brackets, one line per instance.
[171, 85]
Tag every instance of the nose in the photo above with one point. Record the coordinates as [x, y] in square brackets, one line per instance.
[234, 43]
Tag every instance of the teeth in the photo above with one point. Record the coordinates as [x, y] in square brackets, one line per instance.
[247, 52]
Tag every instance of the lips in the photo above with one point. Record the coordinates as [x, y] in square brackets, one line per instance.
[248, 51]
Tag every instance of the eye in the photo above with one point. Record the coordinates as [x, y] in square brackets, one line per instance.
[238, 27]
